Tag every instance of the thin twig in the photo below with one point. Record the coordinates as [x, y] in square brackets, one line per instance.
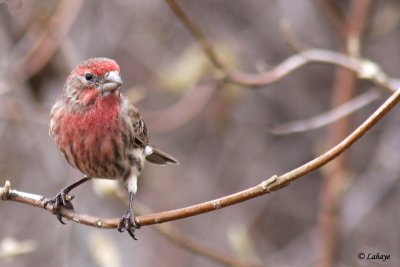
[327, 118]
[342, 146]
[272, 184]
[364, 69]
[198, 34]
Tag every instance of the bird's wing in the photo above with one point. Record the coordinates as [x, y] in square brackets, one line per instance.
[136, 123]
[139, 130]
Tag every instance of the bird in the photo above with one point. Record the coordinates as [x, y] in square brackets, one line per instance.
[101, 133]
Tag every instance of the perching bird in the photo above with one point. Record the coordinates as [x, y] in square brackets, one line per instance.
[100, 133]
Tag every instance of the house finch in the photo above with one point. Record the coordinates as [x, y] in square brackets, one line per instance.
[100, 133]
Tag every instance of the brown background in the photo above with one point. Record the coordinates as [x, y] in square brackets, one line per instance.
[224, 148]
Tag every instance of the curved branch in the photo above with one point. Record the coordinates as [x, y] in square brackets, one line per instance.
[365, 69]
[272, 184]
[329, 117]
[295, 62]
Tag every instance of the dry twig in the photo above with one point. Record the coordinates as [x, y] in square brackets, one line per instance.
[326, 118]
[198, 34]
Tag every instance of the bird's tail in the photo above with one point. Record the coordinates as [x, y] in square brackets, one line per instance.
[156, 156]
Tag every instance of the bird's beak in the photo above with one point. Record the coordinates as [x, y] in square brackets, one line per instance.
[112, 81]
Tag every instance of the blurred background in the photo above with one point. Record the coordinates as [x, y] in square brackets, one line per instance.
[219, 132]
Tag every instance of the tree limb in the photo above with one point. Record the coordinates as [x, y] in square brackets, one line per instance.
[364, 69]
[272, 184]
[328, 117]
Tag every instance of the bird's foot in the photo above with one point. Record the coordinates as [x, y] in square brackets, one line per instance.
[128, 222]
[61, 200]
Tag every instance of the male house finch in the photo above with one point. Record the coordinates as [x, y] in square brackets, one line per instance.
[101, 133]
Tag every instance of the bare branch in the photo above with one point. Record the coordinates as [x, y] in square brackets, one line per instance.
[197, 33]
[326, 118]
[364, 68]
[335, 178]
[272, 184]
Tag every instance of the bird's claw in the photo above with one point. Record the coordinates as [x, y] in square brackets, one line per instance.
[128, 222]
[61, 200]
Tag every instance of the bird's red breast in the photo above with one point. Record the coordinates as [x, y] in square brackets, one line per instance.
[92, 139]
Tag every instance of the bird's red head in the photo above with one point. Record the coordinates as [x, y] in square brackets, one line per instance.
[91, 79]
[97, 66]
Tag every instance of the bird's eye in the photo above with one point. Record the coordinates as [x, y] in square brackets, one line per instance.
[88, 76]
